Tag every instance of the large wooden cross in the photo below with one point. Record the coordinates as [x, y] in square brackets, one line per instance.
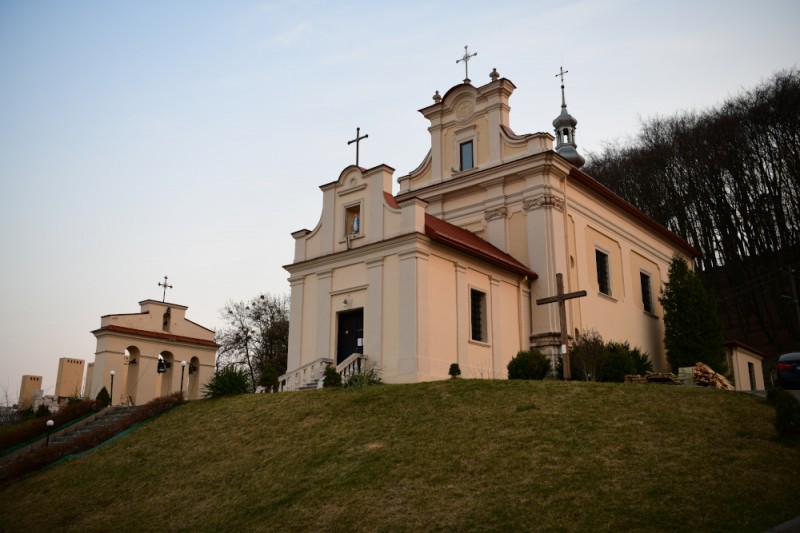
[357, 140]
[561, 298]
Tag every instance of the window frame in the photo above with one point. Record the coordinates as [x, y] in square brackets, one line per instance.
[482, 328]
[461, 146]
[598, 252]
[647, 303]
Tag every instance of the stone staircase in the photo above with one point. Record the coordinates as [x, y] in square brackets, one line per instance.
[101, 420]
[310, 385]
[89, 424]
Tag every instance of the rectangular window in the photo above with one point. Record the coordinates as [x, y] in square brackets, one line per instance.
[477, 301]
[603, 281]
[647, 294]
[466, 156]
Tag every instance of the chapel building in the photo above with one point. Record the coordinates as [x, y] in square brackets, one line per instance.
[153, 353]
[449, 270]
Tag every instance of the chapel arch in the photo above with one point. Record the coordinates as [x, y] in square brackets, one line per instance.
[167, 377]
[133, 360]
[192, 391]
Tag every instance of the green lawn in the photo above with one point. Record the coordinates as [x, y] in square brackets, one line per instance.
[461, 455]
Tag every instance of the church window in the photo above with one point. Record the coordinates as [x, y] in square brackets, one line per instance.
[466, 156]
[477, 300]
[352, 220]
[647, 293]
[603, 280]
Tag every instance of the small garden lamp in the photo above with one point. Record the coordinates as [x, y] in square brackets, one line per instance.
[112, 387]
[50, 424]
[183, 367]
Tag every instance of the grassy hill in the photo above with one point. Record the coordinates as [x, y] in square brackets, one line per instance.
[460, 455]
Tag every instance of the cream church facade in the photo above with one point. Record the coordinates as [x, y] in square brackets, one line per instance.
[449, 269]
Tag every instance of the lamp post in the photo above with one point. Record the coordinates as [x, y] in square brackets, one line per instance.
[112, 387]
[49, 429]
[183, 367]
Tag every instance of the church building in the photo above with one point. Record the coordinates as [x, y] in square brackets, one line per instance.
[450, 269]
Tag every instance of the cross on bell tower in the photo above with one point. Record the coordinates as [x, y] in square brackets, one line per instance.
[564, 125]
[166, 286]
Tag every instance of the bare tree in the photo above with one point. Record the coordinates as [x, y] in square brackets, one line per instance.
[256, 337]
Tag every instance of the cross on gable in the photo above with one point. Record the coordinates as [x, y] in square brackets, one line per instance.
[561, 298]
[357, 140]
[166, 286]
[465, 59]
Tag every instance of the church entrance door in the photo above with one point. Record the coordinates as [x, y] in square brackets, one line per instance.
[350, 332]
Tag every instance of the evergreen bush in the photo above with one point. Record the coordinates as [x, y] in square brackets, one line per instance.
[528, 364]
[455, 371]
[269, 379]
[618, 363]
[103, 398]
[227, 381]
[331, 378]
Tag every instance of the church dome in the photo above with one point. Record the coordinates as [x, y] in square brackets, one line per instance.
[564, 119]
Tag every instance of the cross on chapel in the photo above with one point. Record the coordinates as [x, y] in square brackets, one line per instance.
[561, 298]
[465, 59]
[166, 286]
[357, 140]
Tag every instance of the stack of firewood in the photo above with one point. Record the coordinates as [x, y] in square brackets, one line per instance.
[667, 378]
[706, 377]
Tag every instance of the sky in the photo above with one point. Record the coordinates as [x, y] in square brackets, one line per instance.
[189, 138]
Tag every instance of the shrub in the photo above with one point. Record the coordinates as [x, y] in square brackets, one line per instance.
[595, 360]
[269, 379]
[41, 411]
[366, 378]
[641, 361]
[528, 364]
[331, 378]
[454, 371]
[587, 356]
[103, 398]
[787, 413]
[618, 364]
[227, 381]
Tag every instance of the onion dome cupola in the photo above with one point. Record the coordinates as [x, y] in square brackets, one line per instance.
[564, 125]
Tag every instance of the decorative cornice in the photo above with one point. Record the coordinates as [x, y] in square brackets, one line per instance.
[498, 212]
[546, 199]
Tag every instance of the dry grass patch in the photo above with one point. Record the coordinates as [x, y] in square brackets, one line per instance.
[452, 455]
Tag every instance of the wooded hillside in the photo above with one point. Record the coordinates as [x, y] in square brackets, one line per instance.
[727, 180]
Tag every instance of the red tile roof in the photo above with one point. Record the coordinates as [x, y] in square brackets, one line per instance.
[444, 232]
[158, 335]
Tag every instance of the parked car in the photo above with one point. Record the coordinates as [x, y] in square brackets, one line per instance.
[789, 370]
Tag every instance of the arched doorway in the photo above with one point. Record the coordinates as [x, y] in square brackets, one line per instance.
[132, 363]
